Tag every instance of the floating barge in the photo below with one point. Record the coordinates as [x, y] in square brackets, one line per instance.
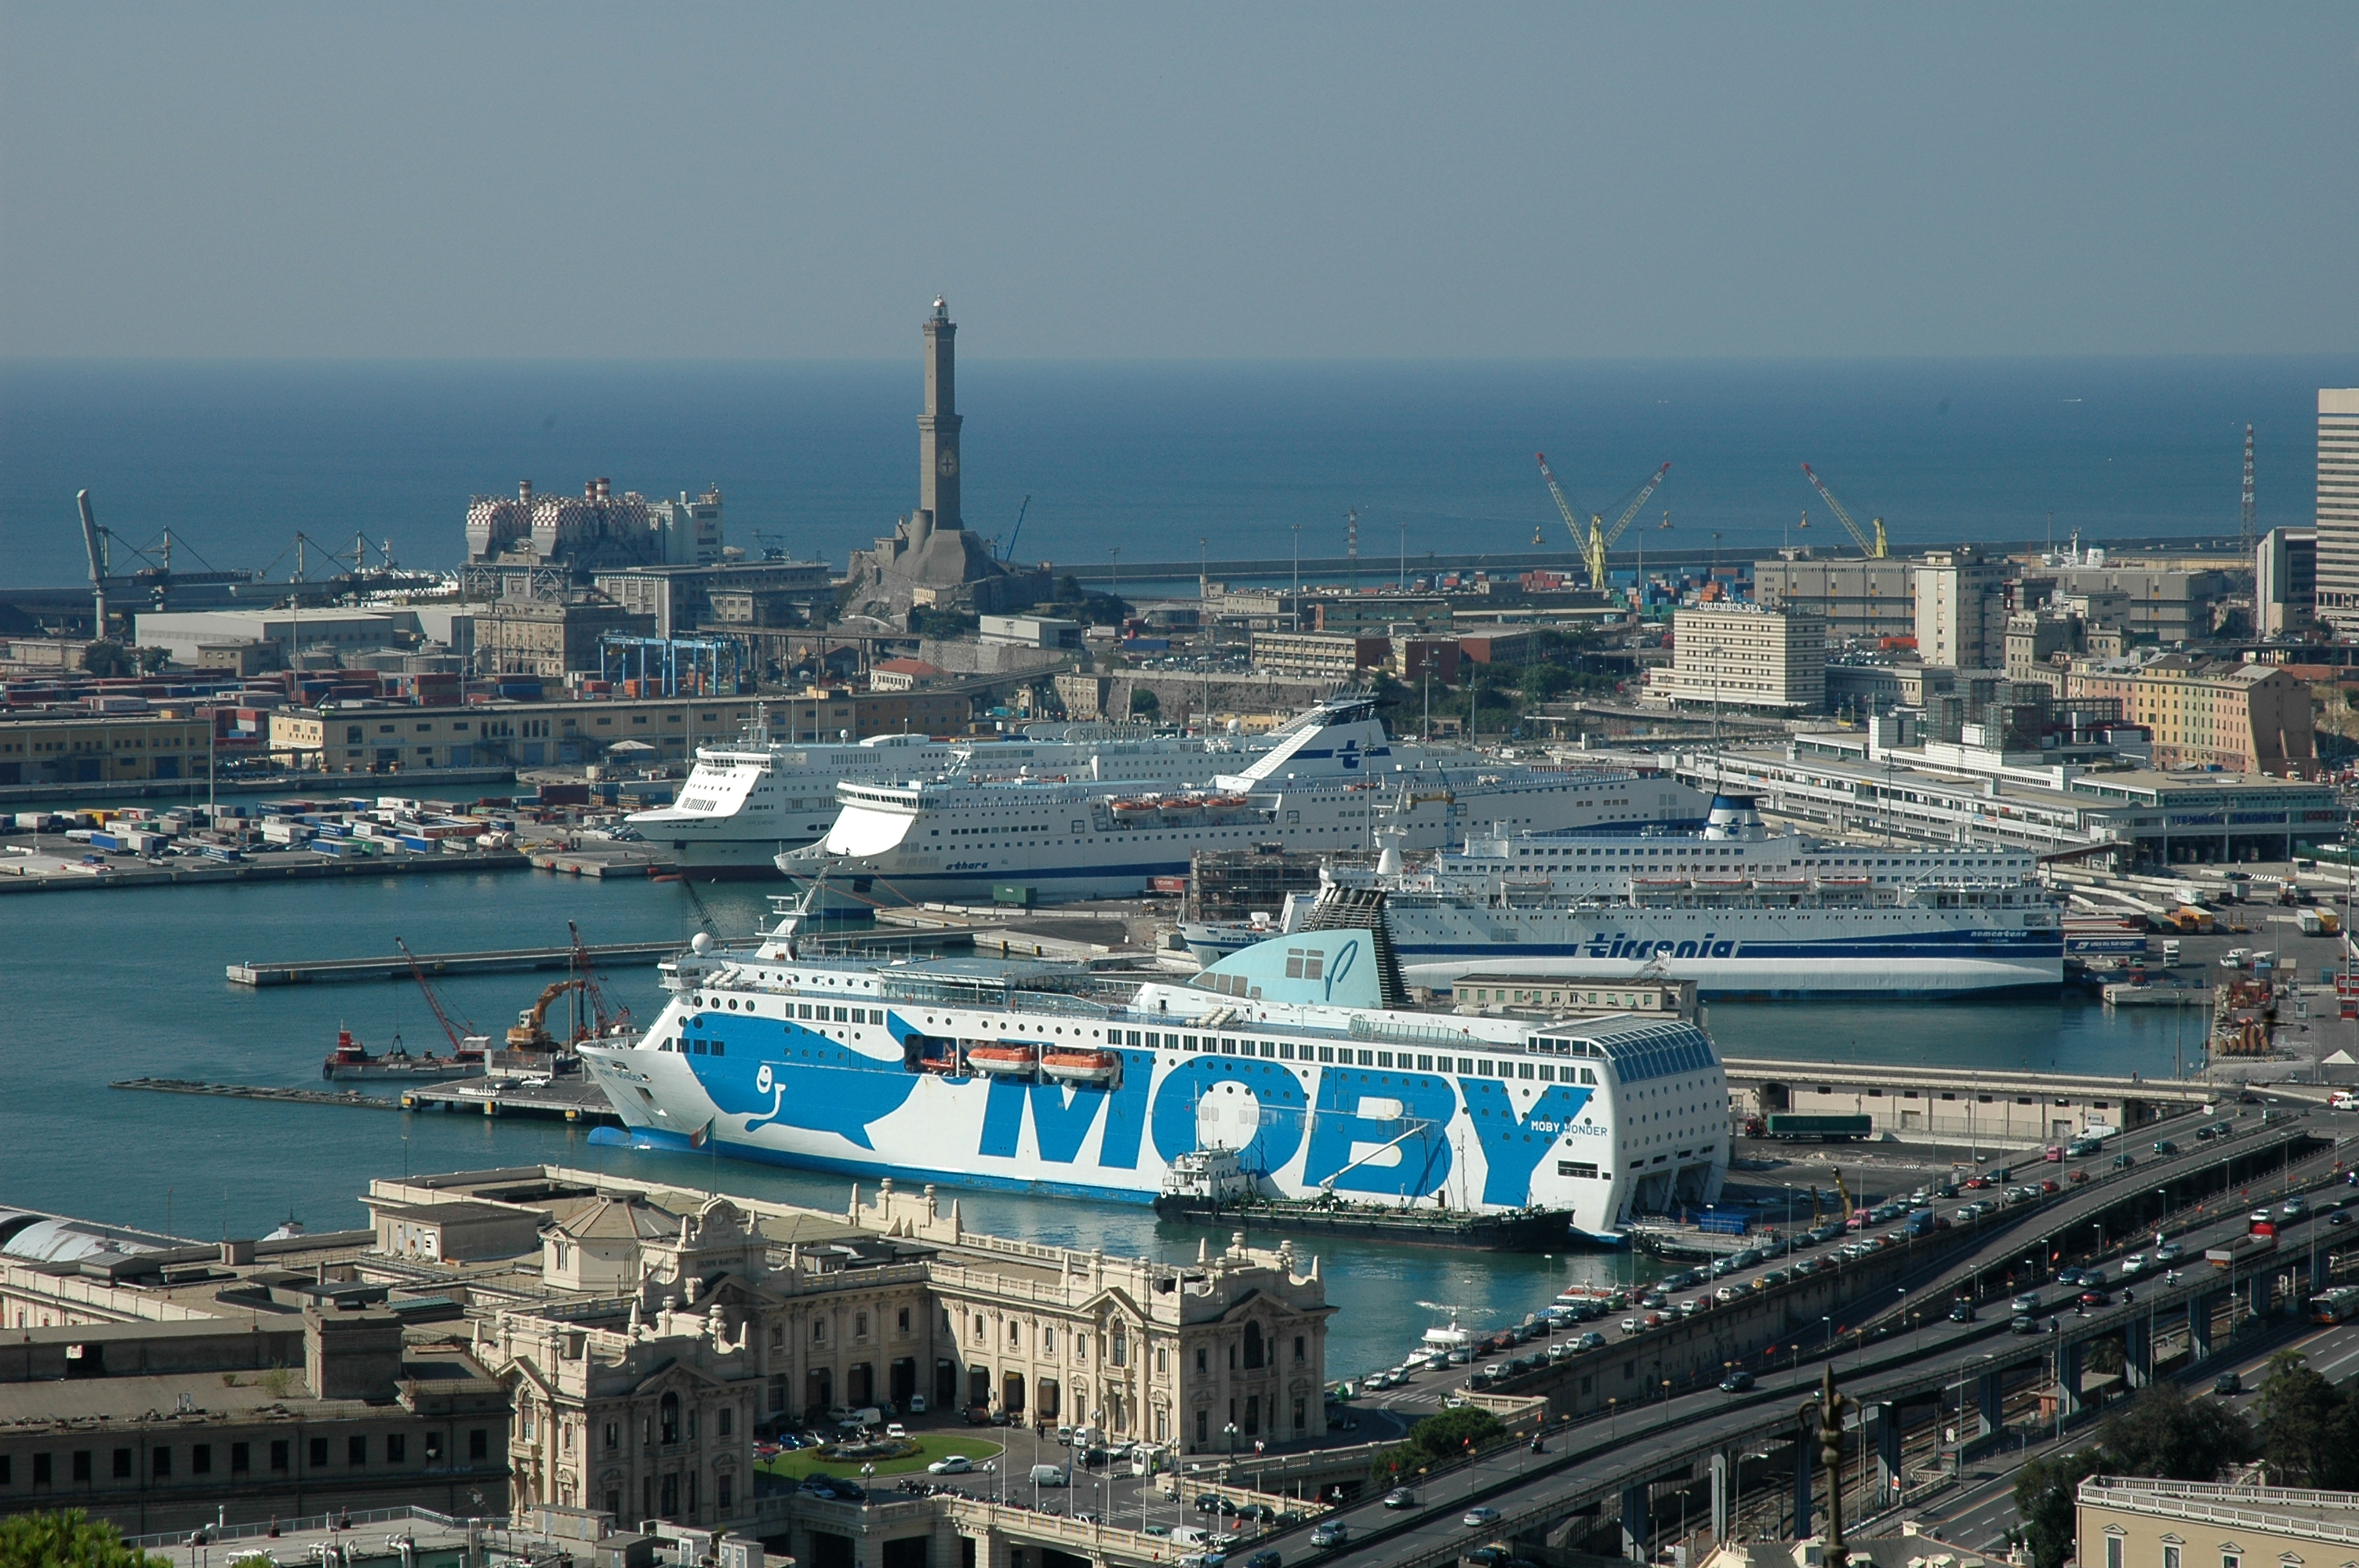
[321, 971]
[1518, 1231]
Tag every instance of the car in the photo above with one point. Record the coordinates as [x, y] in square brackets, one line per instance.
[1214, 1503]
[2050, 1186]
[1065, 1435]
[896, 1432]
[1727, 1294]
[2205, 1134]
[2170, 1252]
[2068, 1276]
[1479, 1518]
[2096, 1298]
[2028, 1302]
[2165, 1146]
[2133, 1264]
[2293, 1208]
[1736, 1382]
[916, 1405]
[1592, 1340]
[1493, 1555]
[2124, 1161]
[1630, 1325]
[2024, 1323]
[1267, 1557]
[951, 1464]
[2227, 1383]
[1260, 1513]
[2078, 1177]
[1335, 1533]
[1400, 1497]
[1977, 1182]
[2093, 1279]
[2053, 1152]
[2338, 1217]
[1961, 1311]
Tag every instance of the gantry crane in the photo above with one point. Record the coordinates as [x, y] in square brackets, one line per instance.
[1873, 547]
[1600, 538]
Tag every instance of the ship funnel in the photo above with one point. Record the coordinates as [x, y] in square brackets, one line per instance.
[1388, 863]
[1735, 816]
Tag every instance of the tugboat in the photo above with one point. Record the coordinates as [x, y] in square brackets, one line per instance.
[351, 1059]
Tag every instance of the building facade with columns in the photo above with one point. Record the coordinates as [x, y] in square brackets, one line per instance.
[657, 1332]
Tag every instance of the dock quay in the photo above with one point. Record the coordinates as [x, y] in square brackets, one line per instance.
[349, 1097]
[605, 860]
[28, 874]
[566, 1099]
[324, 971]
[1916, 1102]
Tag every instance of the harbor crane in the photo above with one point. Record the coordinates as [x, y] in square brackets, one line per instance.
[1874, 547]
[467, 1046]
[1599, 538]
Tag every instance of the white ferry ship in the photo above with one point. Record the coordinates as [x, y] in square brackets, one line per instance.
[1736, 909]
[1334, 782]
[1298, 1054]
[745, 802]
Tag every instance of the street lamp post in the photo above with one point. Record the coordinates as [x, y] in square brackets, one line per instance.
[1229, 1475]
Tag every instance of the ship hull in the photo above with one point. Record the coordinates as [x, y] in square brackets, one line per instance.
[1894, 952]
[1299, 1127]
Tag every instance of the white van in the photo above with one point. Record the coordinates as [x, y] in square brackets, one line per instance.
[2343, 1099]
[1050, 1476]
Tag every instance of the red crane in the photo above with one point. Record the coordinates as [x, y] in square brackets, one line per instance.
[459, 1045]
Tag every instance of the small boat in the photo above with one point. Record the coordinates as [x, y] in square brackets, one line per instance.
[351, 1059]
[1080, 1066]
[1003, 1058]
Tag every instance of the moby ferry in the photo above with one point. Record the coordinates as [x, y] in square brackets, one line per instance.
[1297, 1061]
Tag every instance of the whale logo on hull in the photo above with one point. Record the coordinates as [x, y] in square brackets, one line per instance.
[806, 1081]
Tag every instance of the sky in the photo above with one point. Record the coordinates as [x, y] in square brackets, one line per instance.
[767, 181]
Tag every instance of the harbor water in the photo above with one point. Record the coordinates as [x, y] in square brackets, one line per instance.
[109, 986]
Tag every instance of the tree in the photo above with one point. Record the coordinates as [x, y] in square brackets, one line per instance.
[153, 659]
[2044, 1490]
[2296, 1418]
[1144, 702]
[105, 659]
[1437, 1439]
[1539, 683]
[68, 1539]
[2165, 1435]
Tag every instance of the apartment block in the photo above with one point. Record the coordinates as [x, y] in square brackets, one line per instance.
[2240, 718]
[2285, 582]
[1961, 609]
[1739, 656]
[1322, 656]
[1871, 599]
[2338, 509]
[382, 737]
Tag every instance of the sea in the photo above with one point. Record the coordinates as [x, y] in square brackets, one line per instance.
[1156, 461]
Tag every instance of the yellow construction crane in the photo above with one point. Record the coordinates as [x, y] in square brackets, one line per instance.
[1874, 547]
[1600, 538]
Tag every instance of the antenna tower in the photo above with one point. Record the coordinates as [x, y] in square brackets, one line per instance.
[2244, 536]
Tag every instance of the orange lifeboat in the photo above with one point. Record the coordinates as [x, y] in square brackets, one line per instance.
[1074, 1066]
[1003, 1058]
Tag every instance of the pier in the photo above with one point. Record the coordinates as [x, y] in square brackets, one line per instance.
[565, 1099]
[507, 961]
[351, 1097]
